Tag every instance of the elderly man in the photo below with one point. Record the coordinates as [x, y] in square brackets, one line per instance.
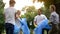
[54, 18]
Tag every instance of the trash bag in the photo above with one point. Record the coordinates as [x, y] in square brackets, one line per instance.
[24, 26]
[17, 26]
[40, 26]
[16, 29]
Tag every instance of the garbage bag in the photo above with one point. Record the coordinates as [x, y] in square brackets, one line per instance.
[16, 29]
[40, 26]
[24, 26]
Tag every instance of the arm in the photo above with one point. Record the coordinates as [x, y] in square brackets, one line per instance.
[35, 23]
[52, 18]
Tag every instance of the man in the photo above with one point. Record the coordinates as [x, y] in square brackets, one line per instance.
[41, 22]
[39, 17]
[10, 18]
[54, 18]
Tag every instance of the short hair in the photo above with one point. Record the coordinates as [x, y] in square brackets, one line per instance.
[11, 1]
[53, 6]
[18, 11]
[40, 9]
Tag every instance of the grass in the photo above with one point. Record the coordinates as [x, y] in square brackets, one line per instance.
[45, 32]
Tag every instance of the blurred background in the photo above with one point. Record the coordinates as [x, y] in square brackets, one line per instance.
[28, 10]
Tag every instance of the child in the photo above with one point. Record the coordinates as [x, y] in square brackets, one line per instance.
[17, 22]
[21, 24]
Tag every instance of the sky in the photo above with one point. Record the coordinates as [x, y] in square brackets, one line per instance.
[22, 3]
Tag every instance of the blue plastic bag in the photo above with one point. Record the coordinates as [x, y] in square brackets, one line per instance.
[24, 26]
[41, 25]
[16, 29]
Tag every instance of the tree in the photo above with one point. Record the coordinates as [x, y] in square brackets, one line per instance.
[1, 16]
[31, 12]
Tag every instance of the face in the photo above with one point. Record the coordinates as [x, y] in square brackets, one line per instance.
[39, 12]
[18, 12]
[13, 4]
[51, 9]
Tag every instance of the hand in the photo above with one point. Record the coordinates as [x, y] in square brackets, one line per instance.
[35, 25]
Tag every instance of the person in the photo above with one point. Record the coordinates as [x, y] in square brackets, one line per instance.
[17, 14]
[41, 22]
[21, 24]
[54, 19]
[9, 14]
[17, 22]
[39, 17]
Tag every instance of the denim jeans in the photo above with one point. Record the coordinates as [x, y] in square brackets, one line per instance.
[9, 28]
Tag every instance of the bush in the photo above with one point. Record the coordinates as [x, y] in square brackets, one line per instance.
[1, 17]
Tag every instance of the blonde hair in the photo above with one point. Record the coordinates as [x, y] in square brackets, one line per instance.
[53, 6]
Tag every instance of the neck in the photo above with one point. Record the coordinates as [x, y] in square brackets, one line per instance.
[53, 11]
[11, 6]
[39, 14]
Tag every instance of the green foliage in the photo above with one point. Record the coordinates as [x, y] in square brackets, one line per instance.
[31, 12]
[1, 16]
[47, 3]
[46, 12]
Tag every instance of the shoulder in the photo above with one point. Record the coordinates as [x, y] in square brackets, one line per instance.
[54, 14]
[6, 9]
[43, 15]
[14, 8]
[36, 16]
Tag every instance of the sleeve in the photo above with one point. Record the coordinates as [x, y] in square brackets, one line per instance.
[52, 18]
[44, 17]
[35, 19]
[57, 18]
[15, 11]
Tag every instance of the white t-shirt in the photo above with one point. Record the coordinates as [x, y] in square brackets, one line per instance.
[10, 15]
[39, 18]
